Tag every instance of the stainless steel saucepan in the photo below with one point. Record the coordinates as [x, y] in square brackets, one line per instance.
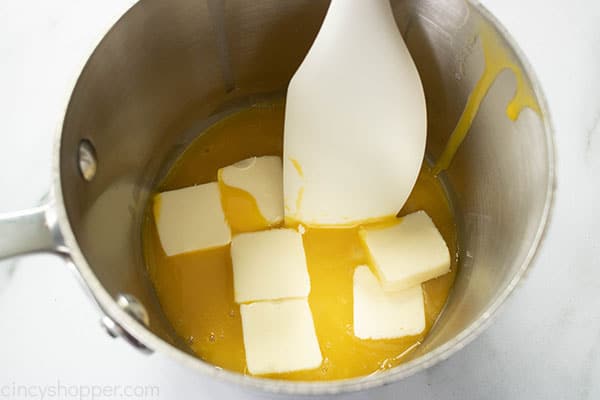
[168, 69]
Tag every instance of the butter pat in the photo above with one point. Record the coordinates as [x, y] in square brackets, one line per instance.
[191, 219]
[262, 178]
[279, 337]
[385, 315]
[407, 253]
[269, 265]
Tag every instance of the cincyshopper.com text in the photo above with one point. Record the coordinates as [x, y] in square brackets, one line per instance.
[63, 391]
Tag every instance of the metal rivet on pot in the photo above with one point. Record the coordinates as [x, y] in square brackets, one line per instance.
[110, 326]
[115, 330]
[133, 307]
[86, 160]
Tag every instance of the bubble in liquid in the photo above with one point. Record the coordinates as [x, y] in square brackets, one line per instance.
[211, 337]
[349, 329]
[325, 365]
[386, 364]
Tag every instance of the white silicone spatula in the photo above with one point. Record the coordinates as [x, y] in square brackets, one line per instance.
[355, 120]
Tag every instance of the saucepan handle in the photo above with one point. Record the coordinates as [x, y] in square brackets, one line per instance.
[35, 230]
[30, 231]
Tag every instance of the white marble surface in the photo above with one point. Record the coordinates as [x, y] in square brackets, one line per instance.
[545, 343]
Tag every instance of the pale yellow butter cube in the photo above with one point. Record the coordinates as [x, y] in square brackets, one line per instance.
[279, 337]
[262, 178]
[407, 253]
[191, 219]
[269, 265]
[385, 315]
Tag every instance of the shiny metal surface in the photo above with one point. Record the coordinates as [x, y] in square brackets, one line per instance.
[166, 69]
[116, 331]
[87, 160]
[30, 231]
[133, 307]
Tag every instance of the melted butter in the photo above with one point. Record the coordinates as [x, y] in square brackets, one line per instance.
[297, 167]
[300, 195]
[196, 289]
[241, 210]
[156, 203]
[497, 59]
[383, 221]
[299, 198]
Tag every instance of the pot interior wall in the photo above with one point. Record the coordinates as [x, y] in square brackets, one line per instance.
[168, 69]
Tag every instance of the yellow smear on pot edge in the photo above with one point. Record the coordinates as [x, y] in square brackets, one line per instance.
[196, 289]
[497, 59]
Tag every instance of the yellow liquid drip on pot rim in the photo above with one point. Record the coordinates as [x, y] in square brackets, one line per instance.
[497, 59]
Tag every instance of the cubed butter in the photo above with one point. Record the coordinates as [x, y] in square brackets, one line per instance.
[191, 219]
[269, 265]
[279, 337]
[262, 178]
[407, 253]
[385, 315]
